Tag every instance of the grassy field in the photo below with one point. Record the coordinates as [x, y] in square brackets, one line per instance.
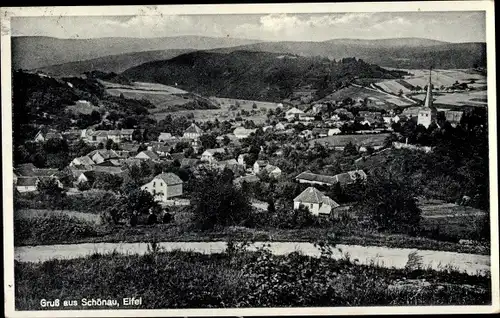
[360, 140]
[357, 92]
[239, 279]
[471, 98]
[257, 115]
[442, 78]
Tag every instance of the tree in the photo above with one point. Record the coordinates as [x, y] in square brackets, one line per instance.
[217, 203]
[49, 190]
[388, 202]
[108, 181]
[208, 141]
[350, 149]
[109, 144]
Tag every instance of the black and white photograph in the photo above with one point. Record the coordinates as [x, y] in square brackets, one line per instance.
[248, 159]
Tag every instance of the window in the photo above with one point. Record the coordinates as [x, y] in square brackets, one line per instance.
[161, 184]
[154, 184]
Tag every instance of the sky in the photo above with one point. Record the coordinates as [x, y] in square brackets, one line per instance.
[465, 26]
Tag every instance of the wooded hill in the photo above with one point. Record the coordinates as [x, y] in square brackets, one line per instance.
[254, 75]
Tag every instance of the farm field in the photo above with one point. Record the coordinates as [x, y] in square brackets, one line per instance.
[257, 115]
[360, 140]
[471, 98]
[446, 78]
[359, 92]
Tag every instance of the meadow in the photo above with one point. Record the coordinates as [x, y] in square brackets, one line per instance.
[239, 279]
[358, 92]
[360, 140]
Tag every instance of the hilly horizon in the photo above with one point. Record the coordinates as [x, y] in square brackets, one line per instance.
[254, 75]
[33, 52]
[392, 52]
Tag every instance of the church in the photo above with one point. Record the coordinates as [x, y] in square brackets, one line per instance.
[428, 113]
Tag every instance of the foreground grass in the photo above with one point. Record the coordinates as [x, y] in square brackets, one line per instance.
[63, 229]
[238, 279]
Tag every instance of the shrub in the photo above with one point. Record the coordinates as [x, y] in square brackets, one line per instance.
[50, 229]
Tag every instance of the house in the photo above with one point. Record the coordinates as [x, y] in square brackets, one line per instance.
[266, 128]
[245, 179]
[259, 165]
[293, 113]
[164, 186]
[112, 167]
[208, 155]
[177, 156]
[233, 165]
[319, 108]
[131, 148]
[164, 136]
[86, 177]
[160, 150]
[101, 155]
[306, 134]
[193, 132]
[279, 126]
[242, 158]
[43, 136]
[334, 131]
[315, 201]
[341, 178]
[272, 171]
[313, 178]
[453, 117]
[26, 184]
[102, 136]
[242, 132]
[84, 161]
[371, 117]
[306, 117]
[189, 162]
[148, 155]
[320, 132]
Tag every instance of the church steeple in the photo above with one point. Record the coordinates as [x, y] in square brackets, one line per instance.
[428, 97]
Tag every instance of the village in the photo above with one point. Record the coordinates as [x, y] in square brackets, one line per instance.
[329, 125]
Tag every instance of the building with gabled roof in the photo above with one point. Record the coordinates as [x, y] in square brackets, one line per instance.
[148, 155]
[315, 201]
[208, 155]
[164, 186]
[341, 178]
[193, 132]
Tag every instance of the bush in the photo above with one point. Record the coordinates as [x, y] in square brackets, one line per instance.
[167, 218]
[51, 229]
[152, 219]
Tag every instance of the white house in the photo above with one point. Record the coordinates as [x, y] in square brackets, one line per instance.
[193, 132]
[272, 171]
[82, 161]
[208, 155]
[242, 132]
[148, 155]
[334, 131]
[259, 165]
[101, 155]
[164, 136]
[242, 158]
[164, 186]
[279, 126]
[293, 113]
[315, 201]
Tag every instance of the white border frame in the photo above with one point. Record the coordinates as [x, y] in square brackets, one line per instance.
[7, 13]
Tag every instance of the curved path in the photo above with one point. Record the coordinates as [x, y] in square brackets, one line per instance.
[383, 256]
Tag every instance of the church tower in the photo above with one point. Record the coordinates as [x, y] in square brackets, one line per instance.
[427, 114]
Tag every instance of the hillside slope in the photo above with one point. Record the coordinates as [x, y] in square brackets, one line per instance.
[111, 63]
[396, 53]
[31, 52]
[254, 75]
